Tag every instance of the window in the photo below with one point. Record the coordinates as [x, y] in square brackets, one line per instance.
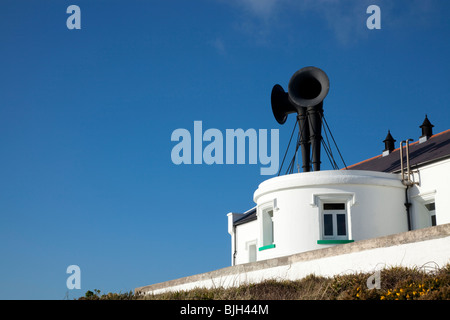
[431, 207]
[334, 221]
[334, 217]
[267, 228]
[252, 252]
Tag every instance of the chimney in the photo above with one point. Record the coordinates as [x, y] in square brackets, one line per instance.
[427, 130]
[389, 144]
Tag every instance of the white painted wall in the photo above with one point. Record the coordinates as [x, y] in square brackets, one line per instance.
[246, 236]
[370, 256]
[375, 207]
[434, 183]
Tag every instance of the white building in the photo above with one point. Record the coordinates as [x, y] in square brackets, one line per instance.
[360, 219]
[380, 196]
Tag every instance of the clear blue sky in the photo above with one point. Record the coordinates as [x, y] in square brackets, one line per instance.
[86, 118]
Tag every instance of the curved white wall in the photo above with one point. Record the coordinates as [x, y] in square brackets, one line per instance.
[375, 207]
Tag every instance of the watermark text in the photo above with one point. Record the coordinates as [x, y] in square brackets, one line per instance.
[235, 147]
[74, 280]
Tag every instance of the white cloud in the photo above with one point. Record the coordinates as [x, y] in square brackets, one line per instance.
[260, 8]
[219, 45]
[261, 18]
[345, 19]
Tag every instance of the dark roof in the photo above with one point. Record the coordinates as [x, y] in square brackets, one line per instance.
[437, 147]
[249, 216]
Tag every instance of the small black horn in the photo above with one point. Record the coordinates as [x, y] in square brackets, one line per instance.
[281, 105]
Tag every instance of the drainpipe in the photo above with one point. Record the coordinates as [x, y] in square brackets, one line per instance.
[232, 231]
[408, 205]
[406, 179]
[234, 246]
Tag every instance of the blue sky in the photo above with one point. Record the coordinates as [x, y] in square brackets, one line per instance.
[86, 118]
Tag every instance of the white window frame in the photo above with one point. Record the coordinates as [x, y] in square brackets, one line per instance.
[431, 212]
[247, 247]
[262, 215]
[318, 201]
[334, 213]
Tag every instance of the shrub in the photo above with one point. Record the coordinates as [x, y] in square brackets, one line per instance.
[397, 283]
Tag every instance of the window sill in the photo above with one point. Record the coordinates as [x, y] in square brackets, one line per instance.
[269, 246]
[333, 241]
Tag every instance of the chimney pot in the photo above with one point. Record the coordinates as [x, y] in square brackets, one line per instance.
[427, 130]
[389, 144]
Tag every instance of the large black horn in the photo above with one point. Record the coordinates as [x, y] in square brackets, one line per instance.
[308, 87]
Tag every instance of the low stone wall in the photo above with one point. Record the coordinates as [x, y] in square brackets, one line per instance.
[424, 248]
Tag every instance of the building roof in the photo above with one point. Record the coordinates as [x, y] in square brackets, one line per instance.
[436, 148]
[249, 216]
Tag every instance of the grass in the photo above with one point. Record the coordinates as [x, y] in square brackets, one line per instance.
[396, 283]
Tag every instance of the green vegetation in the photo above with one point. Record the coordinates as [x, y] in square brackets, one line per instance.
[396, 283]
